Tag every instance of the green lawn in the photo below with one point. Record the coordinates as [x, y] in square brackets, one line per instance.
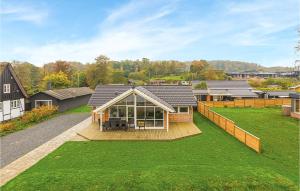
[210, 161]
[80, 109]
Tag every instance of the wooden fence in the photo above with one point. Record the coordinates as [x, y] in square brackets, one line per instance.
[230, 127]
[250, 102]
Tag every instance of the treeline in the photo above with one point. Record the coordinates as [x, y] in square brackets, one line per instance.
[62, 74]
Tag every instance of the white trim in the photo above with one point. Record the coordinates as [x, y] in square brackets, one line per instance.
[167, 121]
[49, 102]
[127, 93]
[135, 113]
[101, 126]
[6, 88]
[15, 104]
[113, 101]
[153, 101]
[178, 110]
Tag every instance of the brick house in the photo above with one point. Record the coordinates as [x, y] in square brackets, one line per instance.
[153, 106]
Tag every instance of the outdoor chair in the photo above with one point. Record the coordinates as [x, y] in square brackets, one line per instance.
[141, 124]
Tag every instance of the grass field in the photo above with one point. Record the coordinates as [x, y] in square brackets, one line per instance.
[210, 161]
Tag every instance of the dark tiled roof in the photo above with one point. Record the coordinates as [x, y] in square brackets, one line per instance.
[172, 95]
[200, 92]
[280, 93]
[67, 93]
[295, 95]
[233, 92]
[150, 94]
[227, 84]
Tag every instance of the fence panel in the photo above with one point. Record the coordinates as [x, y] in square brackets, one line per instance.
[253, 142]
[269, 102]
[239, 103]
[230, 127]
[240, 134]
[259, 103]
[216, 118]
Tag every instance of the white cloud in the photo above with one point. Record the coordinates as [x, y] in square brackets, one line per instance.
[17, 12]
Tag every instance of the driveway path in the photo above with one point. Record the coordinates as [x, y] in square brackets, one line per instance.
[19, 143]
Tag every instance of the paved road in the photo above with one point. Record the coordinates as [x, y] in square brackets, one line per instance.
[19, 143]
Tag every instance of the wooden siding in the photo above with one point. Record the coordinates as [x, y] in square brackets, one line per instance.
[250, 103]
[15, 91]
[181, 117]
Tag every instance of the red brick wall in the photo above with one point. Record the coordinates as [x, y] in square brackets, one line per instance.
[178, 117]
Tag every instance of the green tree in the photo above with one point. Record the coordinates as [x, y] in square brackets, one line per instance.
[100, 72]
[118, 77]
[201, 85]
[57, 81]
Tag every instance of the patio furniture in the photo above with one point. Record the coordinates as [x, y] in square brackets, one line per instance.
[141, 124]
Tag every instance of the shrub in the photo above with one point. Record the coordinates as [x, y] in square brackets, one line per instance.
[38, 114]
[7, 126]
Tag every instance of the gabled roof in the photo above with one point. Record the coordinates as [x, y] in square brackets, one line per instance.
[168, 96]
[68, 93]
[4, 65]
[280, 93]
[227, 84]
[200, 92]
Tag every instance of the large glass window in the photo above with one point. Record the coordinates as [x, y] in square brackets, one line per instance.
[114, 111]
[149, 112]
[159, 113]
[122, 111]
[151, 115]
[140, 112]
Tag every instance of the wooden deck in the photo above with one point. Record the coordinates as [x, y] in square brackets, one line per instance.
[176, 131]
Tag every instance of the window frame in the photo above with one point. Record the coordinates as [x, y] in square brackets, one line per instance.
[177, 109]
[48, 104]
[15, 104]
[6, 88]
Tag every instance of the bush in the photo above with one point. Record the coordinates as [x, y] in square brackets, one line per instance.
[38, 114]
[7, 126]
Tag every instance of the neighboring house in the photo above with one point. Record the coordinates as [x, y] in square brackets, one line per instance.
[221, 90]
[295, 103]
[63, 98]
[278, 94]
[155, 106]
[12, 94]
[295, 88]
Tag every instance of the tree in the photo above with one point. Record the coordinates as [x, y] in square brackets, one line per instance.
[138, 76]
[198, 65]
[118, 77]
[57, 80]
[100, 72]
[78, 79]
[29, 75]
[201, 85]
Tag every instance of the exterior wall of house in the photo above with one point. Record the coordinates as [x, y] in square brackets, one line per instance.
[182, 117]
[295, 115]
[8, 113]
[63, 105]
[42, 96]
[66, 104]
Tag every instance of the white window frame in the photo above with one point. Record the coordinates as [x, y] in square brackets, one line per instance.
[178, 110]
[48, 104]
[6, 88]
[14, 104]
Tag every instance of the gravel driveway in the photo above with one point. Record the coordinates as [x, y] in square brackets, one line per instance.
[19, 143]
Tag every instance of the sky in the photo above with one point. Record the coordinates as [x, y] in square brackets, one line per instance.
[42, 31]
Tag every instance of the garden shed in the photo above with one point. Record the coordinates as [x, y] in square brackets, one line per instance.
[63, 98]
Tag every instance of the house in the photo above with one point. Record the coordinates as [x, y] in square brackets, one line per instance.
[12, 93]
[295, 88]
[221, 90]
[153, 106]
[295, 105]
[278, 94]
[63, 98]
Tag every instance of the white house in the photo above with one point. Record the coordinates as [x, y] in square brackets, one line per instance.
[12, 94]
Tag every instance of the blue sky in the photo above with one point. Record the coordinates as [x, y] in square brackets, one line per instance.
[41, 31]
